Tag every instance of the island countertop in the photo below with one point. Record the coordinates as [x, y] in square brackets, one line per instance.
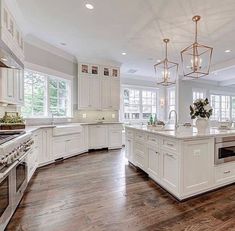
[185, 133]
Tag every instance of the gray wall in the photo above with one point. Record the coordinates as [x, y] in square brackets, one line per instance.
[185, 98]
[41, 57]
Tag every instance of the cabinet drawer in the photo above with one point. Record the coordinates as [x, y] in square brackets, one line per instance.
[115, 127]
[140, 136]
[224, 174]
[152, 139]
[169, 144]
[129, 133]
[139, 147]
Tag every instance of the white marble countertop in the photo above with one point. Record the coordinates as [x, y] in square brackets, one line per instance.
[36, 127]
[185, 133]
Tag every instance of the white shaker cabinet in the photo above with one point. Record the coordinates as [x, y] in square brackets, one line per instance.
[11, 86]
[89, 92]
[46, 156]
[153, 162]
[170, 171]
[99, 87]
[110, 93]
[115, 136]
[197, 153]
[98, 136]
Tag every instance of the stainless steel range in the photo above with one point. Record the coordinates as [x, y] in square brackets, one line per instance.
[14, 149]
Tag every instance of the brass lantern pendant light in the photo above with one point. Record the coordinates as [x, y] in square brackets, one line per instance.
[196, 59]
[166, 71]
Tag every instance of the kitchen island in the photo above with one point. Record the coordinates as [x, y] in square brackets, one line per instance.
[182, 162]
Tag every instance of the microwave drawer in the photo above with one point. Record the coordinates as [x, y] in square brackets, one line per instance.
[225, 173]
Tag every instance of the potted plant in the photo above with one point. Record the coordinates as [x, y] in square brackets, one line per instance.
[12, 121]
[202, 111]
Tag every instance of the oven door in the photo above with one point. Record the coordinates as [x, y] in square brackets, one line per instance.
[224, 152]
[21, 175]
[6, 203]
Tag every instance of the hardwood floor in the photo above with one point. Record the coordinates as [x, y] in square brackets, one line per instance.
[99, 191]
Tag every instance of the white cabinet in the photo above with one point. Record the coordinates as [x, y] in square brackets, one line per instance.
[140, 155]
[89, 92]
[129, 153]
[98, 136]
[115, 136]
[46, 156]
[99, 87]
[68, 145]
[110, 93]
[198, 164]
[170, 171]
[224, 173]
[33, 156]
[10, 33]
[11, 86]
[153, 162]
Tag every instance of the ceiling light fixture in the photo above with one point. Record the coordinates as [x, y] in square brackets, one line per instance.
[123, 53]
[165, 70]
[4, 59]
[227, 51]
[196, 56]
[89, 6]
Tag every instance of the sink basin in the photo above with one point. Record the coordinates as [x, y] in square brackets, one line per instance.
[67, 129]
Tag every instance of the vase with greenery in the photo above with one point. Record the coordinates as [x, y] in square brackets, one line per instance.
[202, 111]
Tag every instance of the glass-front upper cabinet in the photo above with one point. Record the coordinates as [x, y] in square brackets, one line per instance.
[90, 69]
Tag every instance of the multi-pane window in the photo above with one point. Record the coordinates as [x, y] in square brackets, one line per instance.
[131, 104]
[221, 107]
[171, 99]
[139, 104]
[34, 94]
[233, 107]
[46, 95]
[149, 103]
[198, 94]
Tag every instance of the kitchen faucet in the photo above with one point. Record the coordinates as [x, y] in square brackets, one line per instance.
[176, 118]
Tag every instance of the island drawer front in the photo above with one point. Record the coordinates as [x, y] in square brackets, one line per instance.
[115, 127]
[169, 144]
[140, 136]
[139, 147]
[129, 133]
[224, 174]
[152, 139]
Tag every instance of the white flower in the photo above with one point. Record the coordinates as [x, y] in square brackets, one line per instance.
[207, 108]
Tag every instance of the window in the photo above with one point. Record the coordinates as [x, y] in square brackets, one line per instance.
[139, 104]
[233, 107]
[198, 94]
[46, 94]
[171, 99]
[149, 103]
[221, 107]
[131, 104]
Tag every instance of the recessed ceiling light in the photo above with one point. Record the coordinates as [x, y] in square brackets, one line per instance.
[123, 53]
[63, 44]
[4, 59]
[89, 6]
[227, 51]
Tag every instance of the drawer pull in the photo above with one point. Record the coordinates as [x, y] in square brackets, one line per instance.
[170, 155]
[157, 152]
[170, 145]
[153, 140]
[227, 172]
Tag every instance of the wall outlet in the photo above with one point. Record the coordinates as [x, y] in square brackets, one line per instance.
[84, 116]
[113, 116]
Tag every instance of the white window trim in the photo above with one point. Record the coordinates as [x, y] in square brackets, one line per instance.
[135, 87]
[61, 76]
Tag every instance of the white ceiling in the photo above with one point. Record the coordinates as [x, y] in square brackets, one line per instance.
[136, 27]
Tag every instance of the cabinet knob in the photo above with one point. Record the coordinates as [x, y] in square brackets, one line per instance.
[226, 172]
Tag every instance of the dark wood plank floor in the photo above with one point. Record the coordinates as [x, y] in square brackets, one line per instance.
[99, 191]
